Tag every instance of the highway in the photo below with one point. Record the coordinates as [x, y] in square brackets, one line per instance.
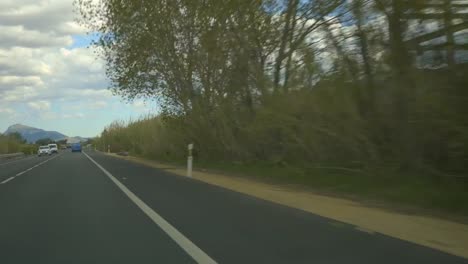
[93, 208]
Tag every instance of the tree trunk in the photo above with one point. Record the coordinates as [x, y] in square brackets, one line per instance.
[290, 15]
[290, 53]
[449, 33]
[403, 88]
[349, 66]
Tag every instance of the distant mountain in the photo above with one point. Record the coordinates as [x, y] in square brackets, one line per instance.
[31, 134]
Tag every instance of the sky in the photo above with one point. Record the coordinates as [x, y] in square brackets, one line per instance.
[49, 77]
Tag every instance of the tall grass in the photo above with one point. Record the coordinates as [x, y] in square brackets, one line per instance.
[7, 145]
[315, 138]
[13, 144]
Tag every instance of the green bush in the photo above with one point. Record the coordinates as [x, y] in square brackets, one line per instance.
[29, 149]
[9, 144]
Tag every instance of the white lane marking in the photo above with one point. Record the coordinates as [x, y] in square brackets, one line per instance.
[193, 250]
[23, 172]
[365, 230]
[7, 180]
[35, 166]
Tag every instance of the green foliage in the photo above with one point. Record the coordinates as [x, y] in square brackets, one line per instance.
[17, 137]
[401, 189]
[288, 83]
[61, 142]
[44, 141]
[8, 145]
[28, 149]
[13, 143]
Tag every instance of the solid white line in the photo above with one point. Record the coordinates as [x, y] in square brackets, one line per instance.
[7, 180]
[35, 166]
[193, 250]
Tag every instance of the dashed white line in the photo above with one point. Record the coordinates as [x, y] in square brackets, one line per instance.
[188, 246]
[7, 180]
[23, 172]
[35, 166]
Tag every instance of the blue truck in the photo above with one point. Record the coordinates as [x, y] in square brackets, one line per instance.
[76, 147]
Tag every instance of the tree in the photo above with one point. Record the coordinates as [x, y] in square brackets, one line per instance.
[11, 143]
[358, 9]
[44, 141]
[61, 142]
[276, 80]
[16, 137]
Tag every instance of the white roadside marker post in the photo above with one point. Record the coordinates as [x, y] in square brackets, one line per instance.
[189, 160]
[108, 148]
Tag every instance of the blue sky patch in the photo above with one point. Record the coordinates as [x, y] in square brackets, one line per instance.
[83, 41]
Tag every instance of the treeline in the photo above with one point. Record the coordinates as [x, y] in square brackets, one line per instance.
[352, 84]
[14, 143]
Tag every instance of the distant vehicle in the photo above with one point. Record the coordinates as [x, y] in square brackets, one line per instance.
[53, 148]
[44, 150]
[76, 147]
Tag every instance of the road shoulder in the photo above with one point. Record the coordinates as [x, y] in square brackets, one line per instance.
[444, 235]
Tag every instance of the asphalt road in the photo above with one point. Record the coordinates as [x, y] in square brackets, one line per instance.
[69, 208]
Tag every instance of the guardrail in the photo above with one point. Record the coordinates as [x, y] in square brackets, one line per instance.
[11, 155]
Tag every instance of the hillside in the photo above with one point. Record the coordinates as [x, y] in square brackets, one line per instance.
[31, 134]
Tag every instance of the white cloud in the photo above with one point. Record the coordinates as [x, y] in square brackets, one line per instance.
[47, 79]
[20, 61]
[36, 64]
[47, 115]
[42, 15]
[7, 110]
[139, 104]
[8, 114]
[20, 94]
[15, 81]
[71, 27]
[89, 93]
[28, 74]
[73, 116]
[98, 105]
[39, 105]
[18, 36]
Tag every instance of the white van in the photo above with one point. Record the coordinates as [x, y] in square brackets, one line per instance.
[53, 148]
[43, 150]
